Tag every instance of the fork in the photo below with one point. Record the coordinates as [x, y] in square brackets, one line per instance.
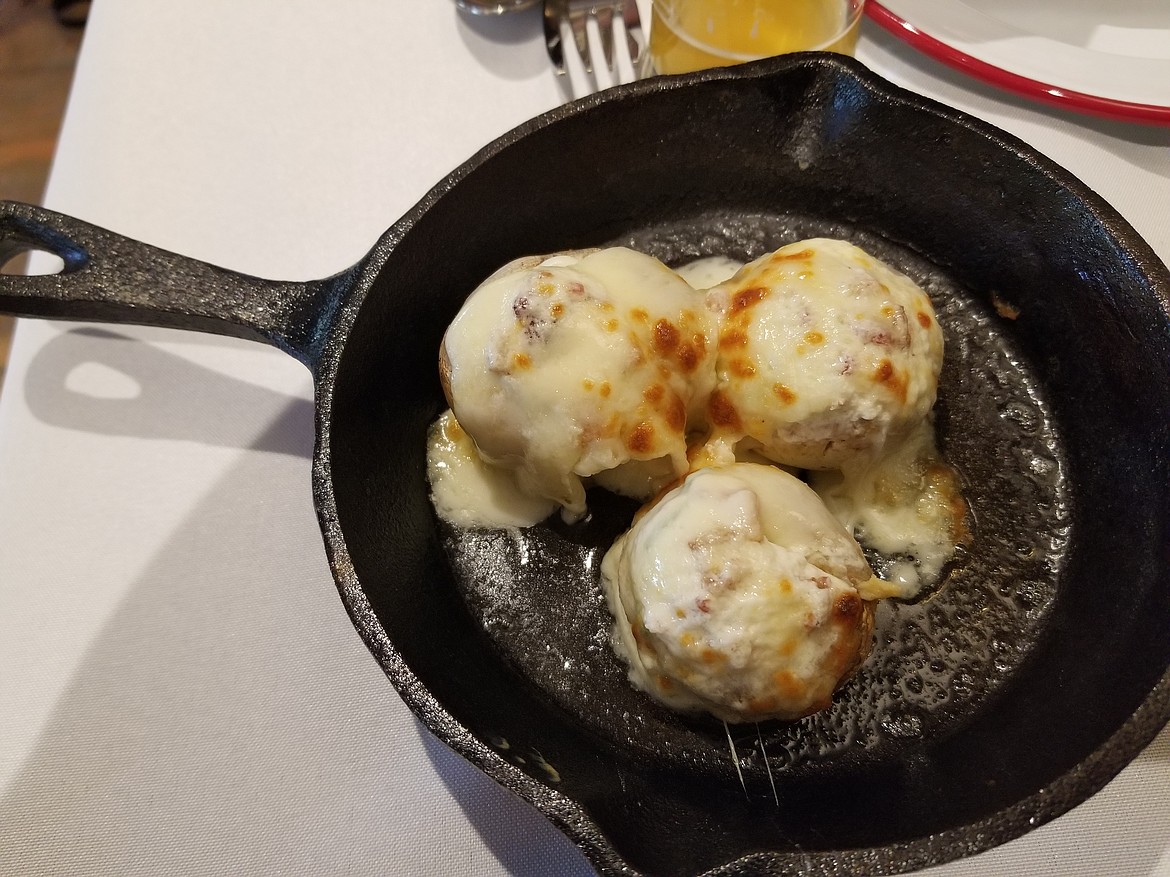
[593, 44]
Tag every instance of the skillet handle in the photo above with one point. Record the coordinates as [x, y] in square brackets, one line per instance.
[114, 279]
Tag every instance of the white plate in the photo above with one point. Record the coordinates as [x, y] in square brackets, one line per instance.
[1107, 59]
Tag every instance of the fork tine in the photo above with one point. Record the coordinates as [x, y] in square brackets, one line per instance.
[635, 38]
[580, 82]
[625, 56]
[599, 39]
[593, 44]
[604, 18]
[554, 16]
[577, 22]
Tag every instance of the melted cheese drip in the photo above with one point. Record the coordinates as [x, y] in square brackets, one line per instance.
[467, 491]
[906, 504]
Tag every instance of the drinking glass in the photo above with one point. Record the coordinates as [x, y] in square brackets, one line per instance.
[687, 35]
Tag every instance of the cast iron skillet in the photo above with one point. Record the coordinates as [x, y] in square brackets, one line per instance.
[1010, 695]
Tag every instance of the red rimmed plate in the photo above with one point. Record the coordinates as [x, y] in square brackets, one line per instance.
[1112, 62]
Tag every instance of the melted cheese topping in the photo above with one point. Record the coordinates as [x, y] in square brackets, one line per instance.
[737, 593]
[710, 271]
[824, 353]
[579, 365]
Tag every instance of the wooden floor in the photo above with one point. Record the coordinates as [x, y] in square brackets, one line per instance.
[37, 57]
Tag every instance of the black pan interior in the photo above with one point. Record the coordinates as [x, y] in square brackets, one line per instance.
[1055, 406]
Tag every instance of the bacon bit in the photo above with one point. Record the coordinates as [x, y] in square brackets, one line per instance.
[641, 439]
[640, 315]
[576, 288]
[703, 604]
[783, 393]
[746, 298]
[822, 582]
[610, 325]
[742, 368]
[525, 319]
[723, 412]
[847, 607]
[814, 337]
[924, 319]
[654, 393]
[521, 360]
[734, 338]
[605, 389]
[665, 337]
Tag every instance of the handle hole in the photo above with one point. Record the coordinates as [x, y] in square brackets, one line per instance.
[100, 381]
[29, 260]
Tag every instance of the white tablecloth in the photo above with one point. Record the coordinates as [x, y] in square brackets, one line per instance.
[181, 691]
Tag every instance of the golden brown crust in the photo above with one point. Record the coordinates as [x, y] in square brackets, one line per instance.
[865, 628]
[445, 371]
[853, 648]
